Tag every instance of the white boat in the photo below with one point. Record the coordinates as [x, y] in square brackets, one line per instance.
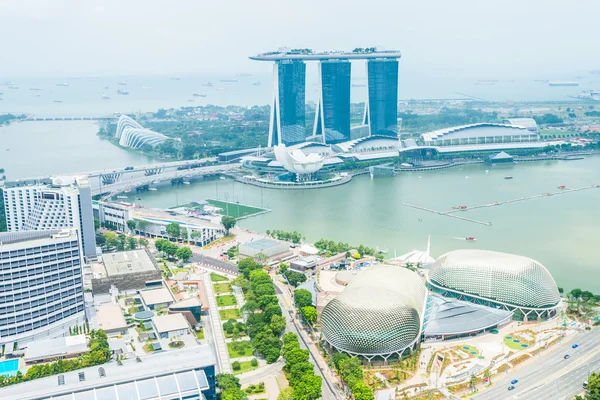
[257, 83]
[123, 91]
[104, 97]
[199, 95]
[222, 177]
[190, 100]
[121, 197]
[58, 101]
[466, 177]
[64, 84]
[152, 188]
[207, 84]
[122, 83]
[186, 182]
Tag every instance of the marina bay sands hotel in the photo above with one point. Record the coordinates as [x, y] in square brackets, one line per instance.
[332, 119]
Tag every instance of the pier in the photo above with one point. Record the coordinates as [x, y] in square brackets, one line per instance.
[496, 204]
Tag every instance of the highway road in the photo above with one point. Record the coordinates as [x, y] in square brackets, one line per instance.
[550, 376]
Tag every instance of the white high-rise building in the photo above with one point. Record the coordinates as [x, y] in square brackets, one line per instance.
[41, 286]
[65, 202]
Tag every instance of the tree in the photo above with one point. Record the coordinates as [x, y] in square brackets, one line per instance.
[487, 375]
[592, 388]
[264, 301]
[286, 394]
[236, 365]
[271, 310]
[184, 253]
[142, 225]
[228, 223]
[277, 324]
[132, 243]
[254, 362]
[143, 242]
[131, 224]
[96, 224]
[267, 345]
[308, 388]
[294, 278]
[170, 249]
[100, 240]
[111, 240]
[173, 230]
[561, 290]
[360, 391]
[302, 298]
[250, 306]
[227, 381]
[247, 265]
[310, 314]
[122, 241]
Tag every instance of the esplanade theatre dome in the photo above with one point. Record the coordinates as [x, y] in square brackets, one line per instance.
[503, 279]
[379, 313]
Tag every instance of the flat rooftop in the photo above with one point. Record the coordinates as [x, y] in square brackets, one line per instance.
[58, 347]
[326, 55]
[157, 296]
[164, 218]
[110, 318]
[17, 240]
[261, 244]
[123, 262]
[170, 322]
[131, 380]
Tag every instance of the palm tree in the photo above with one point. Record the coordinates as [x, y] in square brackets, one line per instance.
[488, 376]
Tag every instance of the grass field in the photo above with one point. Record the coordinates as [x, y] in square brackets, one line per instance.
[226, 300]
[217, 278]
[222, 288]
[239, 349]
[231, 313]
[235, 210]
[245, 366]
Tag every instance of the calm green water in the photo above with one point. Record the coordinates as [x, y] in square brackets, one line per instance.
[560, 231]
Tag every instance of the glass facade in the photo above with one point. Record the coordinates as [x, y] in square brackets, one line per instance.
[289, 118]
[334, 108]
[383, 97]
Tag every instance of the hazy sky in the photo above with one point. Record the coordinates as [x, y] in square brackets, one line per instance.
[455, 37]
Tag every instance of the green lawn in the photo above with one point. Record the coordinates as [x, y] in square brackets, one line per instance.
[200, 334]
[226, 300]
[222, 288]
[239, 349]
[217, 278]
[234, 209]
[510, 342]
[230, 313]
[245, 366]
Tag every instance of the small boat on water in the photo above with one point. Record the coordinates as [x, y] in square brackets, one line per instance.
[508, 177]
[562, 187]
[152, 188]
[207, 84]
[64, 84]
[222, 178]
[470, 238]
[121, 197]
[186, 182]
[199, 95]
[58, 101]
[466, 177]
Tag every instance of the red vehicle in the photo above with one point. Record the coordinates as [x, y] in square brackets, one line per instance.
[470, 238]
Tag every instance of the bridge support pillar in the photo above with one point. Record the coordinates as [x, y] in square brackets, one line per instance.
[153, 171]
[108, 179]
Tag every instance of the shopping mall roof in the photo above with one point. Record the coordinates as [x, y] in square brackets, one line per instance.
[58, 347]
[452, 317]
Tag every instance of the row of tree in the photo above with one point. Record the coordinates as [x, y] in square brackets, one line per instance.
[110, 241]
[294, 278]
[170, 250]
[265, 322]
[351, 371]
[304, 383]
[230, 387]
[99, 354]
[329, 246]
[294, 237]
[304, 303]
[592, 388]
